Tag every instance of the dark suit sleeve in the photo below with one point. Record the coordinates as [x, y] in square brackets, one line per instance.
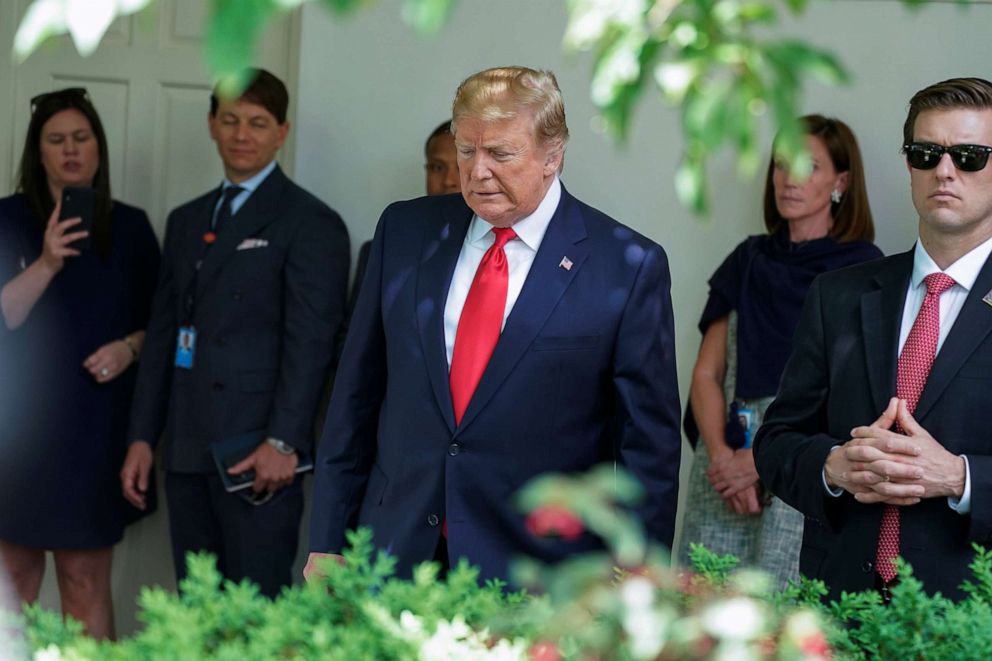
[151, 392]
[980, 468]
[646, 386]
[315, 286]
[347, 446]
[791, 448]
[148, 258]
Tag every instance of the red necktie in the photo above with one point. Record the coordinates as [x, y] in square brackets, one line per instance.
[914, 367]
[480, 322]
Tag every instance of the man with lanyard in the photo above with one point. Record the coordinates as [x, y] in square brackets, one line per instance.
[251, 293]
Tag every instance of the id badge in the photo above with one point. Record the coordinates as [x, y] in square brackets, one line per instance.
[185, 347]
[746, 417]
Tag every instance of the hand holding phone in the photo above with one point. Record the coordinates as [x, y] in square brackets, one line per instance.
[60, 235]
[79, 203]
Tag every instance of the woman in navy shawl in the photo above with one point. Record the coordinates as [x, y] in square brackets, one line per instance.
[814, 225]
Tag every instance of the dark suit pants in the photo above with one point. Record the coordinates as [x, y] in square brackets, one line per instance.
[257, 542]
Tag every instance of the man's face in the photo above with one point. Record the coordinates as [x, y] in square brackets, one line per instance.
[952, 202]
[504, 172]
[247, 136]
[442, 165]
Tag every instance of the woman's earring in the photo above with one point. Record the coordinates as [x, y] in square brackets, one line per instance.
[835, 196]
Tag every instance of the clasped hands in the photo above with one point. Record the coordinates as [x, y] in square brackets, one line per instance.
[734, 476]
[881, 465]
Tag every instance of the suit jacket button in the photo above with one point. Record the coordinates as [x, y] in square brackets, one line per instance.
[218, 386]
[454, 449]
[432, 520]
[867, 567]
[236, 296]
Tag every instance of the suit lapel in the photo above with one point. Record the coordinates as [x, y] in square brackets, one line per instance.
[544, 286]
[190, 245]
[881, 313]
[442, 245]
[970, 328]
[259, 210]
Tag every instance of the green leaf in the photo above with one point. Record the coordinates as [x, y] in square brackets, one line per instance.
[690, 185]
[234, 29]
[427, 17]
[342, 6]
[800, 58]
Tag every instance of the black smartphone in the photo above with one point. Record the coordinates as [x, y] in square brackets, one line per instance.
[79, 203]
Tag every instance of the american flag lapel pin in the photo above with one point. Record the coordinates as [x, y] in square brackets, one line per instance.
[988, 298]
[566, 264]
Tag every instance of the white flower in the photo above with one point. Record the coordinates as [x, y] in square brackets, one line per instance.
[85, 20]
[456, 641]
[637, 593]
[738, 618]
[411, 623]
[53, 653]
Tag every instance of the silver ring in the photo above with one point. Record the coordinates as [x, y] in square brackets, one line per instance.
[888, 479]
[104, 372]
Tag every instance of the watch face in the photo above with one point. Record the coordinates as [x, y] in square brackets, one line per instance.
[281, 446]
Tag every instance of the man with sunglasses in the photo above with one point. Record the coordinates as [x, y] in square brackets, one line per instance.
[879, 432]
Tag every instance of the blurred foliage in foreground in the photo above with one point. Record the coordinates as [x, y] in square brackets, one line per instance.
[711, 58]
[622, 603]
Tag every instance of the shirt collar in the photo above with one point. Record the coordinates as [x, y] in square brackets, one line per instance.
[529, 229]
[964, 271]
[254, 182]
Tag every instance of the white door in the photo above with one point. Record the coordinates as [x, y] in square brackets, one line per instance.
[148, 83]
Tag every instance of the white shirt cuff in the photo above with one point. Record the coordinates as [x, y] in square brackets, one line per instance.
[839, 492]
[962, 505]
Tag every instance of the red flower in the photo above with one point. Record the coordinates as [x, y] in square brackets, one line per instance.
[816, 645]
[544, 651]
[554, 520]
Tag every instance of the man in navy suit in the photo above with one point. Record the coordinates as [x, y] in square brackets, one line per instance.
[251, 293]
[500, 334]
[880, 433]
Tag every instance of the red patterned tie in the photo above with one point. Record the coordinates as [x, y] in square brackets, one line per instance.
[480, 322]
[914, 367]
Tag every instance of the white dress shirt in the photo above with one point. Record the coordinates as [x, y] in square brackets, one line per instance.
[964, 272]
[248, 186]
[520, 253]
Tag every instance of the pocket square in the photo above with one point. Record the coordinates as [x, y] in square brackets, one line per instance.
[248, 244]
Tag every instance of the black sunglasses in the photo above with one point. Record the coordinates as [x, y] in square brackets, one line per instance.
[926, 155]
[69, 93]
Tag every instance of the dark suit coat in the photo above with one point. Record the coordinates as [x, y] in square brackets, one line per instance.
[841, 375]
[265, 319]
[584, 372]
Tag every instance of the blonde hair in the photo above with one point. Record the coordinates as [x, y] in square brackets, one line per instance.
[503, 93]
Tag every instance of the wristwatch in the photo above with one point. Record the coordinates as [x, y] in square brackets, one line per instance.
[282, 447]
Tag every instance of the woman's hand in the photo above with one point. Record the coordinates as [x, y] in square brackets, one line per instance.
[746, 502]
[55, 247]
[109, 361]
[731, 474]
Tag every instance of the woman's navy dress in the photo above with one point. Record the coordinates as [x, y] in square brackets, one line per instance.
[62, 435]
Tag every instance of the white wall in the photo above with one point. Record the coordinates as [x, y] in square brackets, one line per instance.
[370, 91]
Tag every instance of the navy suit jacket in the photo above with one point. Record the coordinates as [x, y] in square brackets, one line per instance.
[265, 318]
[584, 372]
[841, 374]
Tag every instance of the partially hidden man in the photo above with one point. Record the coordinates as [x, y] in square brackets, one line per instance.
[880, 431]
[500, 333]
[251, 293]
